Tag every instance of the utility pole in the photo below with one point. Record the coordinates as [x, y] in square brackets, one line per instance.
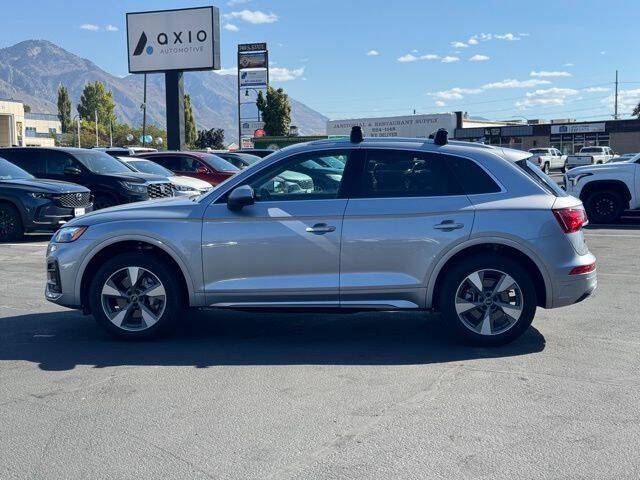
[615, 112]
[78, 132]
[144, 110]
[111, 133]
[96, 117]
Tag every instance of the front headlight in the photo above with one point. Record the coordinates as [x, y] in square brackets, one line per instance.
[40, 195]
[135, 187]
[68, 234]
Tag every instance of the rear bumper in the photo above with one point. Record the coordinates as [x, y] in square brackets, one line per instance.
[574, 289]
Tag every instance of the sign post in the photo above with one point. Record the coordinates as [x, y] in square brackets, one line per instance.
[172, 42]
[253, 75]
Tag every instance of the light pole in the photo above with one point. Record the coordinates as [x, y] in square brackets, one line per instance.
[96, 118]
[144, 110]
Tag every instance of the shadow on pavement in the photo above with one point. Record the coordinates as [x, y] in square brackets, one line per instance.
[62, 340]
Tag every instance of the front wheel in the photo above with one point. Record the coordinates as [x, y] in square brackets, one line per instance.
[546, 168]
[134, 296]
[10, 224]
[489, 299]
[605, 206]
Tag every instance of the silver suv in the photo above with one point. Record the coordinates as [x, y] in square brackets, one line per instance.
[473, 231]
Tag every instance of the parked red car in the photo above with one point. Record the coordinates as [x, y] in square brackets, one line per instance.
[204, 166]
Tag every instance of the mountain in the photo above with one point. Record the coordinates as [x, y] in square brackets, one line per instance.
[31, 71]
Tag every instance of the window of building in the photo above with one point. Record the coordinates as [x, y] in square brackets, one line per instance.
[30, 132]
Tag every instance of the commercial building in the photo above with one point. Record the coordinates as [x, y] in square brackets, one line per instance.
[623, 136]
[26, 129]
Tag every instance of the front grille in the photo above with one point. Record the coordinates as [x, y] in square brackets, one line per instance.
[160, 190]
[80, 199]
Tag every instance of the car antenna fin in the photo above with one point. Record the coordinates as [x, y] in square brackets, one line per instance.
[356, 134]
[440, 137]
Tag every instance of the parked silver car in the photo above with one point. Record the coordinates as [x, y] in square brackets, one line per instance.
[473, 231]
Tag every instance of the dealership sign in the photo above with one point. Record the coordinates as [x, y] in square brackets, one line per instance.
[252, 47]
[579, 128]
[185, 39]
[416, 126]
[249, 128]
[253, 78]
[252, 60]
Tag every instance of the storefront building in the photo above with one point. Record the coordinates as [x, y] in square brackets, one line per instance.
[25, 129]
[623, 136]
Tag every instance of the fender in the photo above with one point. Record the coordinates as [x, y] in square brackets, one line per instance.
[484, 240]
[194, 300]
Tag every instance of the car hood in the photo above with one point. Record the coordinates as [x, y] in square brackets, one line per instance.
[602, 169]
[42, 185]
[190, 182]
[137, 177]
[165, 208]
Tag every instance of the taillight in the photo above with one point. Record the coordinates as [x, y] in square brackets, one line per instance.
[571, 219]
[583, 269]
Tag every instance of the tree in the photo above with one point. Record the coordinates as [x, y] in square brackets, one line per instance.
[190, 132]
[95, 97]
[64, 108]
[276, 111]
[26, 107]
[636, 111]
[213, 139]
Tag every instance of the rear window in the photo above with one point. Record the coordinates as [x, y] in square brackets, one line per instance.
[591, 150]
[537, 175]
[538, 150]
[471, 176]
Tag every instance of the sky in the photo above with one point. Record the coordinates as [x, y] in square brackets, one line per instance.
[494, 59]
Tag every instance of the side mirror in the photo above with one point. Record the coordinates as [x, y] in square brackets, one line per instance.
[72, 171]
[240, 197]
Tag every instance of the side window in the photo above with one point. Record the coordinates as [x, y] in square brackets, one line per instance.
[472, 177]
[167, 162]
[189, 164]
[397, 173]
[33, 161]
[57, 161]
[303, 177]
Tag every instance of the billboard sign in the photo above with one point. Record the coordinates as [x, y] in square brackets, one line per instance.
[184, 39]
[579, 128]
[253, 78]
[252, 47]
[249, 128]
[415, 126]
[252, 60]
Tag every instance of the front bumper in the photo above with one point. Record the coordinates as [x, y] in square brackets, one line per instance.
[50, 217]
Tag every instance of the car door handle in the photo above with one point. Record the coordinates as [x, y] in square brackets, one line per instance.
[448, 226]
[320, 228]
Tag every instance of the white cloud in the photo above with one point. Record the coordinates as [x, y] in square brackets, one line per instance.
[455, 93]
[550, 96]
[545, 74]
[449, 59]
[231, 3]
[507, 36]
[430, 56]
[478, 58]
[596, 89]
[486, 37]
[627, 101]
[281, 74]
[253, 16]
[373, 53]
[111, 28]
[227, 71]
[568, 65]
[459, 45]
[407, 58]
[231, 27]
[512, 83]
[440, 103]
[90, 26]
[472, 41]
[603, 52]
[524, 34]
[415, 50]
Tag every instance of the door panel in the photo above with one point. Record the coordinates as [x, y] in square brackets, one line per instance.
[389, 244]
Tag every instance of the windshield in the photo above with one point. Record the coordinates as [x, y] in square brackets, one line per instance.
[8, 171]
[219, 163]
[147, 166]
[627, 157]
[538, 176]
[100, 162]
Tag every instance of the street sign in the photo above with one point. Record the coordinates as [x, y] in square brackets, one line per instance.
[252, 47]
[249, 128]
[253, 78]
[165, 40]
[252, 60]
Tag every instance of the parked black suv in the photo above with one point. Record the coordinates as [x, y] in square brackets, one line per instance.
[111, 182]
[28, 204]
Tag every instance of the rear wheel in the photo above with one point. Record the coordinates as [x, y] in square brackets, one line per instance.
[10, 224]
[564, 168]
[135, 297]
[546, 168]
[604, 206]
[489, 299]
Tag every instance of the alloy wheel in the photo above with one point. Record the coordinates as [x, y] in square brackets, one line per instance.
[489, 302]
[7, 224]
[133, 298]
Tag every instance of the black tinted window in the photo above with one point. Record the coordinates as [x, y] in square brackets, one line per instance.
[171, 163]
[189, 164]
[472, 177]
[33, 161]
[57, 161]
[397, 173]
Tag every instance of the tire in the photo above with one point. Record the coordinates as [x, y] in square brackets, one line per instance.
[103, 200]
[10, 224]
[604, 206]
[128, 313]
[564, 168]
[465, 308]
[546, 168]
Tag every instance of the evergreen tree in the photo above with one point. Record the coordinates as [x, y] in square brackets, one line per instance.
[190, 132]
[213, 139]
[96, 97]
[276, 111]
[64, 108]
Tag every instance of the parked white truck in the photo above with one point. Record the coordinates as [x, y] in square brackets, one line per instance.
[606, 190]
[590, 156]
[548, 159]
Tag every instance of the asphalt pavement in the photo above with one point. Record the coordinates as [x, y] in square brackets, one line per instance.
[292, 396]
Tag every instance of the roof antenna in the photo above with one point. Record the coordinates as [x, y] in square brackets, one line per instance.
[356, 134]
[440, 137]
